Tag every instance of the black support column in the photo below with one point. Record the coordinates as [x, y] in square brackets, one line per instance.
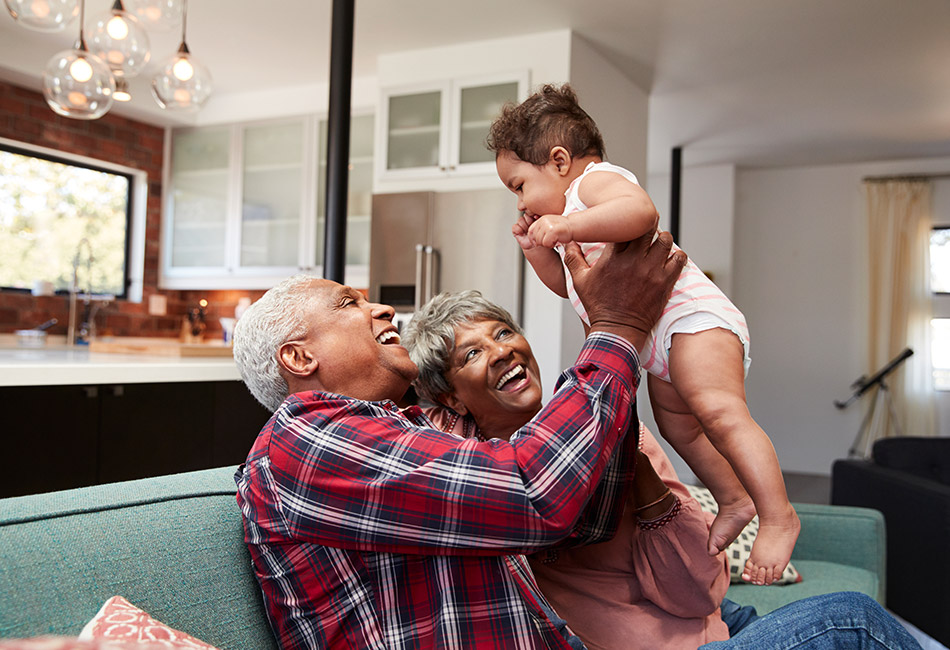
[338, 139]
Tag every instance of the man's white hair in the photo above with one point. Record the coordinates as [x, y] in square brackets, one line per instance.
[280, 315]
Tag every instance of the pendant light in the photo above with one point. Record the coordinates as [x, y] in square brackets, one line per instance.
[121, 93]
[119, 39]
[76, 83]
[158, 15]
[183, 83]
[43, 15]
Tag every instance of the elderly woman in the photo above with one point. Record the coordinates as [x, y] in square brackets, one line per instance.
[654, 584]
[655, 579]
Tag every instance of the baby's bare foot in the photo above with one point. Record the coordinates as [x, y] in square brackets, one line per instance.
[772, 548]
[730, 521]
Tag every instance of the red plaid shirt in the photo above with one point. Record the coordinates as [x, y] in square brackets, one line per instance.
[369, 528]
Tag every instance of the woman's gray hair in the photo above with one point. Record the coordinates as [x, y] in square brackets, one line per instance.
[280, 315]
[430, 335]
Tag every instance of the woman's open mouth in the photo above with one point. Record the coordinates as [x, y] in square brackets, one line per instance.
[512, 379]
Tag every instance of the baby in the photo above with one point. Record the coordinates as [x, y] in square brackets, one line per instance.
[549, 152]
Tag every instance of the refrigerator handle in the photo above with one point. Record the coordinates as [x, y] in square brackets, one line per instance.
[419, 288]
[432, 285]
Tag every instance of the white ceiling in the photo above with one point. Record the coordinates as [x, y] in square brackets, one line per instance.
[750, 82]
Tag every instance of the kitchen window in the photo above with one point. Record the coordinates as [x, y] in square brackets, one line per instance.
[52, 205]
[940, 324]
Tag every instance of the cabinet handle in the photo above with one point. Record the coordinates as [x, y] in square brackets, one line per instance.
[431, 283]
[417, 294]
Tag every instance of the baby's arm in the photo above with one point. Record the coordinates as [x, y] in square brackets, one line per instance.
[618, 210]
[545, 261]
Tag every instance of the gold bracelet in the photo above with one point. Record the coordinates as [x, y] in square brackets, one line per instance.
[653, 503]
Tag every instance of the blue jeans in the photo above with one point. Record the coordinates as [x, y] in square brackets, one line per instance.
[840, 621]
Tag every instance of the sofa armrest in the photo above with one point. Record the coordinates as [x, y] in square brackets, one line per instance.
[846, 535]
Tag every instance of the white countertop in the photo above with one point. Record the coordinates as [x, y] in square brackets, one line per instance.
[61, 365]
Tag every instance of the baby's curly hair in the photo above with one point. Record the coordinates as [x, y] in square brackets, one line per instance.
[549, 118]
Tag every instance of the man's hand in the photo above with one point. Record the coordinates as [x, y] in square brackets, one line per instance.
[626, 291]
[550, 230]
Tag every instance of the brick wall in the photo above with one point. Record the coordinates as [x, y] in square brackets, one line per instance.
[25, 117]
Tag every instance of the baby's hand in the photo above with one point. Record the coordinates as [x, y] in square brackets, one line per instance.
[551, 230]
[520, 232]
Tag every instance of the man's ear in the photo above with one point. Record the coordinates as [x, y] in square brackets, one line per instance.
[561, 158]
[453, 402]
[295, 358]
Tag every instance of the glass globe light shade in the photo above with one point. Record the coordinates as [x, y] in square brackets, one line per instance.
[183, 83]
[158, 15]
[119, 39]
[78, 84]
[43, 15]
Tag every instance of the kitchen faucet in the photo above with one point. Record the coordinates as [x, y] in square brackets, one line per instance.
[74, 289]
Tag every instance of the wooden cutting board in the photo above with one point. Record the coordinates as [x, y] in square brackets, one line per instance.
[160, 347]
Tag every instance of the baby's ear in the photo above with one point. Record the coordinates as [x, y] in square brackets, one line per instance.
[561, 158]
[453, 402]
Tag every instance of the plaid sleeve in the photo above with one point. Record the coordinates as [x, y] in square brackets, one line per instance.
[360, 475]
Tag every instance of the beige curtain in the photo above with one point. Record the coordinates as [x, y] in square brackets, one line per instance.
[899, 224]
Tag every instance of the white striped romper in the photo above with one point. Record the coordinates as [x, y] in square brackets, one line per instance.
[695, 305]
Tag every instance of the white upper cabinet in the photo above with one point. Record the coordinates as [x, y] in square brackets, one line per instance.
[432, 135]
[244, 203]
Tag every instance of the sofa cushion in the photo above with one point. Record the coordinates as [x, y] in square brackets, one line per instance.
[829, 577]
[927, 458]
[173, 545]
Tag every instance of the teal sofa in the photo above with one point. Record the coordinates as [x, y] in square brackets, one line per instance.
[173, 546]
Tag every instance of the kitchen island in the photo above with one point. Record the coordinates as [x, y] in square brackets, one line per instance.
[58, 365]
[72, 416]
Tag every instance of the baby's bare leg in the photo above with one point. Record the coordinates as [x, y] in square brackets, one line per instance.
[682, 430]
[707, 372]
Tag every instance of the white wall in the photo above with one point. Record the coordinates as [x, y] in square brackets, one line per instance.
[799, 277]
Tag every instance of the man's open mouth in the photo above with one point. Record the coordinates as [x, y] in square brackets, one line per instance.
[515, 374]
[388, 337]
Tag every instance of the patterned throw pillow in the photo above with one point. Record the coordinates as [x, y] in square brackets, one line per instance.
[739, 551]
[120, 620]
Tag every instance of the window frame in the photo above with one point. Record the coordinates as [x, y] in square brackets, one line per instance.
[136, 214]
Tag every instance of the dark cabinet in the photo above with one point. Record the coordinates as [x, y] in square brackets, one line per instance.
[61, 437]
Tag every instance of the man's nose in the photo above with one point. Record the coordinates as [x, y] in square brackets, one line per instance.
[382, 311]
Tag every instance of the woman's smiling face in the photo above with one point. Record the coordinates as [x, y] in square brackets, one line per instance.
[494, 377]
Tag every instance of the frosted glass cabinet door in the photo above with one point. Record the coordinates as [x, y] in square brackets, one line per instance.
[273, 195]
[200, 178]
[414, 130]
[359, 198]
[479, 106]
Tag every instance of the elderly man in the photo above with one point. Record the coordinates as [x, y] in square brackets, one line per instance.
[369, 528]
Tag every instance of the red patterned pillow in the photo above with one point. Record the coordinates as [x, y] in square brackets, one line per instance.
[120, 620]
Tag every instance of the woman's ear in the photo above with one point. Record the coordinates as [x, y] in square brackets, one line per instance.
[295, 358]
[561, 158]
[453, 402]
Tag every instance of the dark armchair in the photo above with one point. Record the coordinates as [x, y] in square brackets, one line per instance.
[908, 480]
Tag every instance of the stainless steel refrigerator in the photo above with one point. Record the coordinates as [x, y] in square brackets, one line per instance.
[423, 243]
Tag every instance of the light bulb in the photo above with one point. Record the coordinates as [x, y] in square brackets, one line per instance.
[183, 69]
[117, 28]
[40, 9]
[121, 93]
[80, 70]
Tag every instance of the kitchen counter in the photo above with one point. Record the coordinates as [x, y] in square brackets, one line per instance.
[58, 364]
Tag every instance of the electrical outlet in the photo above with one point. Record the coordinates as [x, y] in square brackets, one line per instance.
[157, 305]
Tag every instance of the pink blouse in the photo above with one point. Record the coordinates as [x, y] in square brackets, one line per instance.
[653, 585]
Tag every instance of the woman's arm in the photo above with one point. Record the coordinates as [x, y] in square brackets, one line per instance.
[674, 569]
